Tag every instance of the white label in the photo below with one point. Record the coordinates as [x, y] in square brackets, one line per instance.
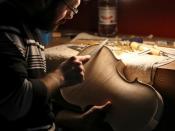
[107, 15]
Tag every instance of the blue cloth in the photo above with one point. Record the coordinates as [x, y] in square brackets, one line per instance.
[45, 37]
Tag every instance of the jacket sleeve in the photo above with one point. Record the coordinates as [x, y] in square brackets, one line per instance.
[19, 94]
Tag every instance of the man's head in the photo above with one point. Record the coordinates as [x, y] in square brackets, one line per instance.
[48, 14]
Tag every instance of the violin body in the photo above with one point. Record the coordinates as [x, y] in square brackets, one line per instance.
[135, 106]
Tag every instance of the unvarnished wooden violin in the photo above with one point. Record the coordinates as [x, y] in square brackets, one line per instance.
[135, 106]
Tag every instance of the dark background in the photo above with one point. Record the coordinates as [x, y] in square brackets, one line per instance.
[136, 17]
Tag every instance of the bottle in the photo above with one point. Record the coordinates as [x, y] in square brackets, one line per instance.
[107, 18]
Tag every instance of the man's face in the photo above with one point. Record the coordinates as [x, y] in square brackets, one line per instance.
[57, 14]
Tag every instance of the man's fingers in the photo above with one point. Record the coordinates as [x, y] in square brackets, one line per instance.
[84, 58]
[106, 106]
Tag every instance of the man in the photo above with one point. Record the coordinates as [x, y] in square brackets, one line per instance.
[26, 88]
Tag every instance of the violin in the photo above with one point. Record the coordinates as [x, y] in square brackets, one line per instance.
[135, 106]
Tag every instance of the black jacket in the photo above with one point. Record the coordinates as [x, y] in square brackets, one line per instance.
[24, 101]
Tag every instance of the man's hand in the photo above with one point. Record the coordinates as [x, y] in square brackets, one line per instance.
[73, 70]
[95, 115]
[90, 120]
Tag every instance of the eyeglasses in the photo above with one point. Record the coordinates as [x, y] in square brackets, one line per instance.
[74, 10]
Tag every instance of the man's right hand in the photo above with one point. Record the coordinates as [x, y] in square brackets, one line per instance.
[73, 70]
